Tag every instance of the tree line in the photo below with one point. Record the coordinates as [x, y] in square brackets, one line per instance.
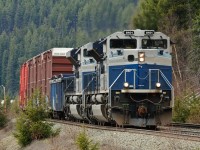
[180, 20]
[29, 27]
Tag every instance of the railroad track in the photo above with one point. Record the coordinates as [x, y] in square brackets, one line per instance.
[180, 131]
[168, 132]
[184, 129]
[185, 125]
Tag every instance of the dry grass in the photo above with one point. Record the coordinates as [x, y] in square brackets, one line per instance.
[111, 145]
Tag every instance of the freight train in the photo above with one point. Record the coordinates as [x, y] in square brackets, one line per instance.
[123, 79]
[36, 72]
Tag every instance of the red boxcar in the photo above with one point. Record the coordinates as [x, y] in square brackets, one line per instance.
[23, 84]
[36, 72]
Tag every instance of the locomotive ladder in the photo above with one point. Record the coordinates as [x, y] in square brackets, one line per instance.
[87, 86]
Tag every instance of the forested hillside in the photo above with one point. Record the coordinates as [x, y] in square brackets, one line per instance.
[180, 19]
[28, 27]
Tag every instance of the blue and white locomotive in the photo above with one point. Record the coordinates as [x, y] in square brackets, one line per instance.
[125, 78]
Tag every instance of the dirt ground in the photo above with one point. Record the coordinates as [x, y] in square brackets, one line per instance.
[7, 140]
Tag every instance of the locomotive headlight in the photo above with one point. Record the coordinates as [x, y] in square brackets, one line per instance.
[141, 59]
[158, 84]
[126, 84]
[141, 56]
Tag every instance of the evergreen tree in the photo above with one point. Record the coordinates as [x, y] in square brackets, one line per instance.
[28, 28]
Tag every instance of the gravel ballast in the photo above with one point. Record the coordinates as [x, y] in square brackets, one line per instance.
[131, 141]
[108, 140]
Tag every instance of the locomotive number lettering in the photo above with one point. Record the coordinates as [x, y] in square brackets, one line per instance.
[129, 32]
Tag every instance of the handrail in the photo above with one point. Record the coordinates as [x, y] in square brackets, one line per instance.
[112, 85]
[88, 82]
[170, 85]
[163, 76]
[159, 72]
[134, 75]
[83, 92]
[150, 71]
[125, 70]
[166, 80]
[70, 83]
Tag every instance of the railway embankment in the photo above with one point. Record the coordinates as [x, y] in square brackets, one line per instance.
[107, 139]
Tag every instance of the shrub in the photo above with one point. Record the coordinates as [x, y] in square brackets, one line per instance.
[40, 130]
[186, 109]
[84, 143]
[181, 111]
[194, 116]
[31, 124]
[3, 118]
[23, 133]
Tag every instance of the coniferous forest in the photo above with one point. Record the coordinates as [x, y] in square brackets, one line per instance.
[29, 27]
[180, 20]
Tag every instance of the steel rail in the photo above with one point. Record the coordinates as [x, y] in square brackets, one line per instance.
[161, 132]
[185, 125]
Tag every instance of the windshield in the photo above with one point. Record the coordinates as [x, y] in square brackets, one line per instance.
[154, 43]
[123, 43]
